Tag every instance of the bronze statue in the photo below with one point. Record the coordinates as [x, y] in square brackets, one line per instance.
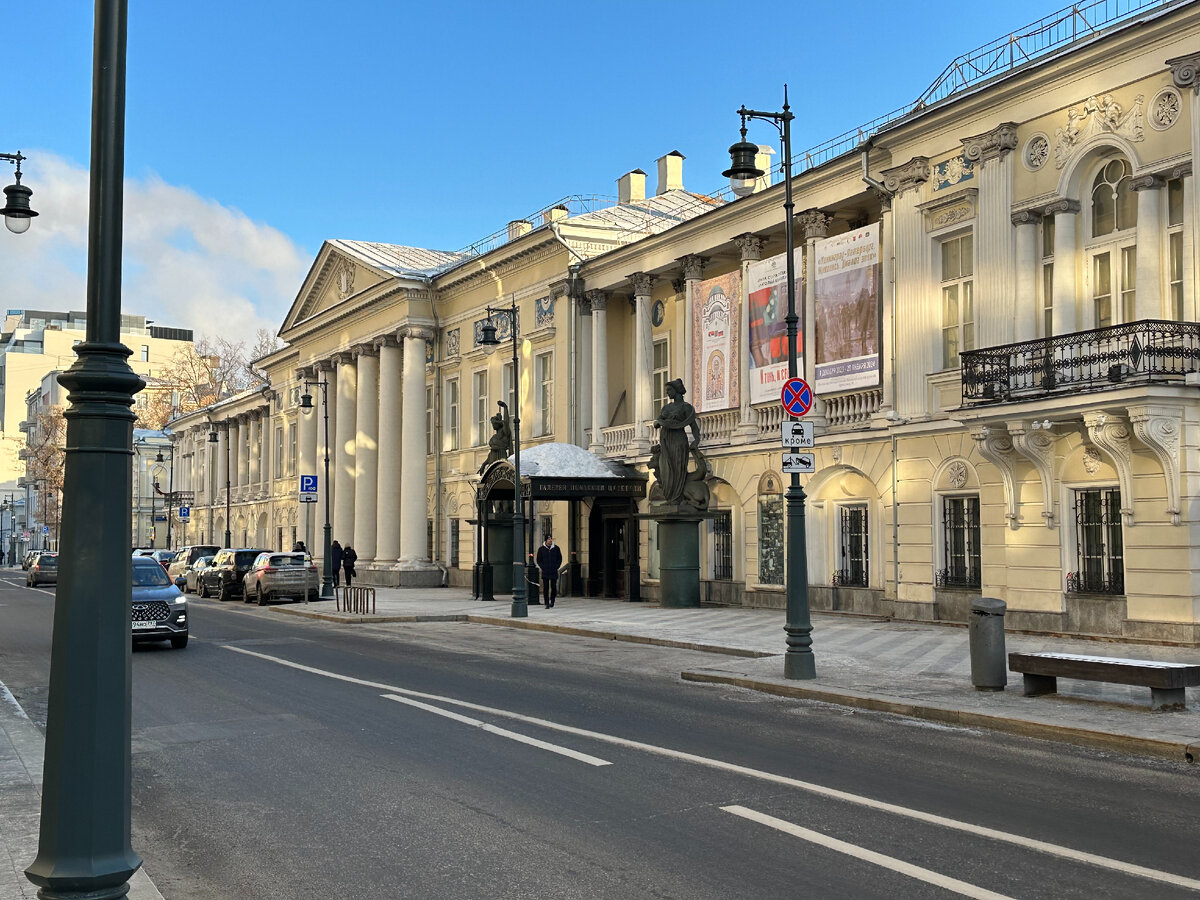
[669, 457]
[500, 443]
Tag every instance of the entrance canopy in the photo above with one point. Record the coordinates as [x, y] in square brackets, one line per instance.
[563, 472]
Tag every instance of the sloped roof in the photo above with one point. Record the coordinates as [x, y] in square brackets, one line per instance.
[400, 261]
[652, 215]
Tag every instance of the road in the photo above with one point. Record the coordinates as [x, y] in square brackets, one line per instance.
[280, 758]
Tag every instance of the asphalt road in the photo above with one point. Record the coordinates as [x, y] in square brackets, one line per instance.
[278, 758]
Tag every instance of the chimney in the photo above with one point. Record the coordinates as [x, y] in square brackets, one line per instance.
[554, 214]
[631, 187]
[518, 227]
[670, 173]
[762, 159]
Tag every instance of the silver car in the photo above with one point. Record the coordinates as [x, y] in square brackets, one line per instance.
[276, 575]
[43, 570]
[191, 574]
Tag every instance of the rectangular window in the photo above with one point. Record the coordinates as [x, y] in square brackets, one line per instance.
[429, 430]
[1175, 249]
[958, 309]
[1047, 276]
[482, 408]
[723, 545]
[1128, 283]
[291, 459]
[508, 391]
[662, 363]
[450, 439]
[960, 523]
[454, 543]
[1099, 545]
[145, 353]
[853, 549]
[545, 528]
[544, 373]
[770, 539]
[278, 452]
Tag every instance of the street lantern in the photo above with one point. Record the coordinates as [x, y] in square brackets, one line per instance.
[744, 171]
[17, 211]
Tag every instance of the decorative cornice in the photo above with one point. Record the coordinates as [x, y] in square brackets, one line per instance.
[908, 176]
[994, 144]
[997, 448]
[1185, 72]
[642, 283]
[751, 246]
[1065, 205]
[815, 224]
[1038, 448]
[1159, 428]
[598, 300]
[1111, 434]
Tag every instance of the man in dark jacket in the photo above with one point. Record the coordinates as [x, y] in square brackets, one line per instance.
[335, 556]
[549, 560]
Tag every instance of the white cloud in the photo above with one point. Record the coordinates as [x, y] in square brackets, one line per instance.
[188, 261]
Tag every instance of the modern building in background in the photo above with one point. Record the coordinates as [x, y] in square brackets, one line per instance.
[999, 322]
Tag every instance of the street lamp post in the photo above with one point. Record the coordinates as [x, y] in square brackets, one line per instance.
[170, 488]
[306, 403]
[520, 606]
[798, 661]
[84, 849]
[16, 210]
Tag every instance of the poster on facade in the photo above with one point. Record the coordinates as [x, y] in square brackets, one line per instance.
[766, 284]
[715, 360]
[847, 311]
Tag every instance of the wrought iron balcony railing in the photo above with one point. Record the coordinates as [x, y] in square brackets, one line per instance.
[1150, 350]
[957, 577]
[853, 577]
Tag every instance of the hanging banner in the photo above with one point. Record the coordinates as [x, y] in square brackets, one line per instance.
[847, 311]
[715, 357]
[766, 282]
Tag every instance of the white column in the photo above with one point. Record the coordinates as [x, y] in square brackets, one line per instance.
[586, 373]
[1148, 299]
[1066, 300]
[328, 441]
[1185, 72]
[366, 459]
[389, 491]
[887, 303]
[751, 247]
[1189, 238]
[224, 477]
[995, 240]
[600, 412]
[243, 449]
[344, 445]
[693, 271]
[255, 460]
[1027, 312]
[414, 554]
[643, 361]
[813, 225]
[306, 426]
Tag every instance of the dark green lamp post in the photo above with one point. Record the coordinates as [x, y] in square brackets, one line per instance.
[213, 438]
[306, 403]
[16, 210]
[798, 661]
[520, 605]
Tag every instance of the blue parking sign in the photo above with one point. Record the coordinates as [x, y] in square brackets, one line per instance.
[185, 512]
[308, 488]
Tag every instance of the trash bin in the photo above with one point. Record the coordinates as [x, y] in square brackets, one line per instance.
[989, 670]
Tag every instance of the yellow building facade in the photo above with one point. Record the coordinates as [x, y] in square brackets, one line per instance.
[998, 310]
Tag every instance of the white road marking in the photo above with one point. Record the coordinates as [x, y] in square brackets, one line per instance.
[503, 732]
[995, 834]
[887, 862]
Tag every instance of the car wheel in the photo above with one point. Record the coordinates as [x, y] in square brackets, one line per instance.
[202, 588]
[262, 598]
[179, 641]
[223, 592]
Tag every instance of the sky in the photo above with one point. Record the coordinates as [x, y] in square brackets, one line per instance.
[257, 129]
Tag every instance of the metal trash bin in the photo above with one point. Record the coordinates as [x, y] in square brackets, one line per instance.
[989, 669]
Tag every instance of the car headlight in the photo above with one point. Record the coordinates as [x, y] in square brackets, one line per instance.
[178, 601]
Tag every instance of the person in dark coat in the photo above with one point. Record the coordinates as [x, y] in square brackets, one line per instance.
[299, 547]
[349, 558]
[549, 560]
[335, 556]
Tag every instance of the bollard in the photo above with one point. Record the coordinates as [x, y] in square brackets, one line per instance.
[989, 671]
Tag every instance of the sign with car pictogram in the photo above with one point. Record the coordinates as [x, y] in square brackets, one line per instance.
[797, 434]
[799, 463]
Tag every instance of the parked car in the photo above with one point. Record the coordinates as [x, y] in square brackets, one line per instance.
[276, 575]
[141, 552]
[43, 569]
[191, 575]
[187, 556]
[162, 557]
[223, 578]
[159, 608]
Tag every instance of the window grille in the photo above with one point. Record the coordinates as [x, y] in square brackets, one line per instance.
[855, 555]
[770, 539]
[723, 546]
[454, 539]
[429, 538]
[1099, 547]
[960, 521]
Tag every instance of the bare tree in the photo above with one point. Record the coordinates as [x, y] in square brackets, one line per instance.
[196, 376]
[266, 342]
[45, 461]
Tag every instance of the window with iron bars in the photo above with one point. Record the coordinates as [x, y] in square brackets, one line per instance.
[1099, 546]
[454, 539]
[960, 523]
[854, 548]
[723, 546]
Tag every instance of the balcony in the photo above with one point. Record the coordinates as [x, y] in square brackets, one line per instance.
[1143, 352]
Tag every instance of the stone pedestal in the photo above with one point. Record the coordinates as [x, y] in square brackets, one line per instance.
[679, 560]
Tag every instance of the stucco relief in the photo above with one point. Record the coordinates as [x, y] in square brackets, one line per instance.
[1098, 115]
[956, 474]
[1092, 460]
[996, 446]
[1165, 109]
[1037, 152]
[452, 345]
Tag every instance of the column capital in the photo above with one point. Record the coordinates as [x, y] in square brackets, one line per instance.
[1060, 207]
[364, 349]
[751, 246]
[417, 332]
[384, 340]
[305, 373]
[1146, 182]
[1026, 217]
[598, 300]
[642, 283]
[693, 266]
[1185, 71]
[908, 176]
[990, 145]
[814, 222]
[325, 365]
[1182, 171]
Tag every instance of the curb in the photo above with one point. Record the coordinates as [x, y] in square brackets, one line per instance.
[1080, 737]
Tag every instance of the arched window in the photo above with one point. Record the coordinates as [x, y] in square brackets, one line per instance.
[1112, 249]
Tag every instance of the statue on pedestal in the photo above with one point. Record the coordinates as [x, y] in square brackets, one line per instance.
[675, 487]
[501, 441]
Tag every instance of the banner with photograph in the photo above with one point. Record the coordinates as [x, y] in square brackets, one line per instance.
[847, 311]
[715, 359]
[766, 282]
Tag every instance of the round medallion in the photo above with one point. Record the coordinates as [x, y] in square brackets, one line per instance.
[1165, 109]
[658, 313]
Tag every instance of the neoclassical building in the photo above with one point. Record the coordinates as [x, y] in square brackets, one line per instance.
[997, 292]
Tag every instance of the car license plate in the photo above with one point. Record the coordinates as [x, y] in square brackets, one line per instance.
[144, 626]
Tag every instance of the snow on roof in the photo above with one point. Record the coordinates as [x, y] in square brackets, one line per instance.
[401, 261]
[564, 461]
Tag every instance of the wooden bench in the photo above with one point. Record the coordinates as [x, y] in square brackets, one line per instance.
[1166, 680]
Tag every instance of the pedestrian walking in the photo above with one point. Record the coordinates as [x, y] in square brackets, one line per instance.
[549, 560]
[349, 558]
[335, 556]
[299, 547]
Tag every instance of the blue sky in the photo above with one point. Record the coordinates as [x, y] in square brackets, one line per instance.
[255, 130]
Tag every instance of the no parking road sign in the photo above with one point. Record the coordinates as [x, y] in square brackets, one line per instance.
[797, 397]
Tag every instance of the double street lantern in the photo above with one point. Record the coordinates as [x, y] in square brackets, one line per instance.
[213, 439]
[743, 173]
[17, 211]
[306, 404]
